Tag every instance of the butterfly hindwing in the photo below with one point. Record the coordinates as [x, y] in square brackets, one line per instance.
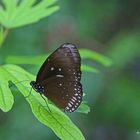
[65, 93]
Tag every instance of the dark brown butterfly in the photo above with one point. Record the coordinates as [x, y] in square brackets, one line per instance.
[59, 78]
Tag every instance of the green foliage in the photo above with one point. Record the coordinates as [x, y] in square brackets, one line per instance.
[63, 128]
[125, 48]
[15, 14]
[88, 54]
[88, 68]
[56, 119]
[126, 99]
[113, 93]
[85, 54]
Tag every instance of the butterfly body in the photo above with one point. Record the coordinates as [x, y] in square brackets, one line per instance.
[59, 78]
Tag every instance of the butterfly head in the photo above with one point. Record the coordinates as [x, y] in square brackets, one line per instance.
[37, 87]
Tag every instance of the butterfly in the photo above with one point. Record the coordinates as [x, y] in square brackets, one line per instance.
[59, 78]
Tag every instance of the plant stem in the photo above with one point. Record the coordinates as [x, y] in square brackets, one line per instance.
[4, 36]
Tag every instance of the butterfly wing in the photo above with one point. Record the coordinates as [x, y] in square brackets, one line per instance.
[65, 93]
[62, 67]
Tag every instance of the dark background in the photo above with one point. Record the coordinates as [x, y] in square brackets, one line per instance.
[110, 27]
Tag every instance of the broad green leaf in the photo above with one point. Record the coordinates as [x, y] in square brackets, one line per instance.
[88, 54]
[56, 119]
[26, 12]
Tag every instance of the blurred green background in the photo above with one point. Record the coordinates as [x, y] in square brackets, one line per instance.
[110, 27]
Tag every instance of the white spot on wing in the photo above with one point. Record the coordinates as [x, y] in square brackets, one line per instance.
[59, 75]
[69, 105]
[73, 109]
[71, 102]
[74, 98]
[67, 108]
[52, 68]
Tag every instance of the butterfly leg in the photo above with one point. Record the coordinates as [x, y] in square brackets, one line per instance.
[46, 102]
[29, 93]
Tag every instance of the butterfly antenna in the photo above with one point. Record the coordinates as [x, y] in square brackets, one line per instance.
[46, 103]
[17, 83]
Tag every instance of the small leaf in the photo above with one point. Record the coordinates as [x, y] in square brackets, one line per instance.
[84, 108]
[89, 69]
[6, 97]
[56, 119]
[88, 54]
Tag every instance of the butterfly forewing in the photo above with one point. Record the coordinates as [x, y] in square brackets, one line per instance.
[65, 60]
[60, 76]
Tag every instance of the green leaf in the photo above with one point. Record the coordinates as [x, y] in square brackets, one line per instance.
[88, 54]
[89, 68]
[84, 108]
[26, 12]
[56, 119]
[6, 97]
[31, 60]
